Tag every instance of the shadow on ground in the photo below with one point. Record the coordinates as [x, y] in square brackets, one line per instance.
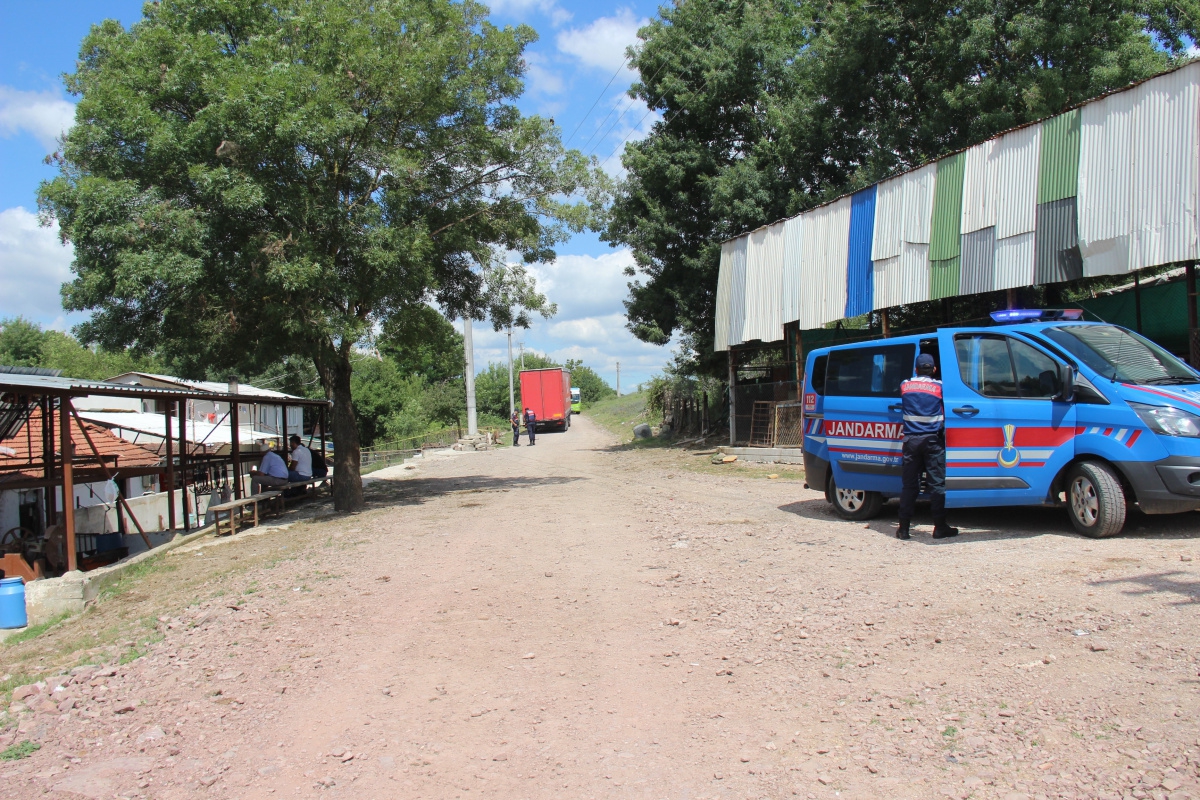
[1159, 583]
[412, 491]
[980, 524]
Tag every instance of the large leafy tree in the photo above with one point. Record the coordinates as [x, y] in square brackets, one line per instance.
[251, 180]
[772, 106]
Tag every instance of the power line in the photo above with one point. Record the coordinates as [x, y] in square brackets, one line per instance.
[599, 97]
[625, 111]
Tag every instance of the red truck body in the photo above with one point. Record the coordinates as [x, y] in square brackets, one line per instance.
[548, 393]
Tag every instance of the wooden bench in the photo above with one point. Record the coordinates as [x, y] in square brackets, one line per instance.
[235, 508]
[315, 482]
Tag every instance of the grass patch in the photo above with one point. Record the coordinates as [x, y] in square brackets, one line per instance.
[33, 631]
[618, 415]
[18, 751]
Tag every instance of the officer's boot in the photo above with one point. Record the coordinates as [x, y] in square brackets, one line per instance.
[943, 531]
[902, 531]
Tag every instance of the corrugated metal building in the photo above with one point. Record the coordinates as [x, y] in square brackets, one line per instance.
[1106, 188]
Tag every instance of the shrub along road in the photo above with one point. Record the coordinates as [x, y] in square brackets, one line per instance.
[580, 620]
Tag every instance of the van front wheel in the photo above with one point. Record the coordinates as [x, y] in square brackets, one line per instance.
[1095, 500]
[854, 504]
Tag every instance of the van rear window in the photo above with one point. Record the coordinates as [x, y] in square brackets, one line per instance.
[869, 371]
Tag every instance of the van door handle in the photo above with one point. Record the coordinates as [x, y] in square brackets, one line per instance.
[896, 407]
[968, 411]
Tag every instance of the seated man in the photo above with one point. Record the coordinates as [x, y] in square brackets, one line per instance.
[300, 466]
[270, 473]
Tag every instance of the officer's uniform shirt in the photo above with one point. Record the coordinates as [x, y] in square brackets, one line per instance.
[921, 400]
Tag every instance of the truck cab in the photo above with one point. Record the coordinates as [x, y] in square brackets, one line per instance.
[576, 400]
[1042, 409]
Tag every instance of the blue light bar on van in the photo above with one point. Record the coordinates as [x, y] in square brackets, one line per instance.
[1036, 314]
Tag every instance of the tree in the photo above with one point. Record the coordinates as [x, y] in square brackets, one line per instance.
[247, 181]
[424, 343]
[591, 386]
[771, 108]
[21, 343]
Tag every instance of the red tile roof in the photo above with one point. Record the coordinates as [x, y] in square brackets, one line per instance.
[27, 445]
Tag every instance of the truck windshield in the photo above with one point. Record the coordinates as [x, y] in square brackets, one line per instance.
[1122, 355]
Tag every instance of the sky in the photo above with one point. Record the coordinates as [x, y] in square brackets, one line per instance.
[577, 75]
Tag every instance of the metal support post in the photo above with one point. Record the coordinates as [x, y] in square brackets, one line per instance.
[1137, 302]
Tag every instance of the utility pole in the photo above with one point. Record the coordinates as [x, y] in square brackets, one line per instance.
[472, 424]
[512, 400]
[618, 379]
[522, 346]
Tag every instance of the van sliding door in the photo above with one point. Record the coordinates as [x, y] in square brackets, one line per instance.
[862, 414]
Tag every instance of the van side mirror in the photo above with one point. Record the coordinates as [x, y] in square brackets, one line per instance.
[1066, 378]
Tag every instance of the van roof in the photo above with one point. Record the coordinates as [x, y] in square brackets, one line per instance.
[1024, 327]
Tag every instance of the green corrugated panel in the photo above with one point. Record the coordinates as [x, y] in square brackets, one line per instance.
[944, 241]
[1058, 170]
[944, 277]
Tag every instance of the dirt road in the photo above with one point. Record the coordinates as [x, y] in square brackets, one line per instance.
[577, 620]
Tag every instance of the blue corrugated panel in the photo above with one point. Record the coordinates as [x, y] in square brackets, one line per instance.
[859, 288]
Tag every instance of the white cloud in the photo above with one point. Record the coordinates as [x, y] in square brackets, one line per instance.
[602, 43]
[33, 265]
[539, 79]
[44, 115]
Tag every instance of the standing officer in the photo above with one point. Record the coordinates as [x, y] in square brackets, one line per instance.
[531, 425]
[924, 447]
[515, 421]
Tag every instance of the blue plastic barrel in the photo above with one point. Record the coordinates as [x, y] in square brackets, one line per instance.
[12, 603]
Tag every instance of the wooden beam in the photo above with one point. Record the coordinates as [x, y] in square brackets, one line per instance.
[170, 468]
[1137, 302]
[323, 456]
[67, 450]
[120, 495]
[732, 400]
[183, 454]
[235, 452]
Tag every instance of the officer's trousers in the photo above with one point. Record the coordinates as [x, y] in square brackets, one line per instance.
[924, 454]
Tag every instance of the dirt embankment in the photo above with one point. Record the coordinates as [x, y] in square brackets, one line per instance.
[577, 620]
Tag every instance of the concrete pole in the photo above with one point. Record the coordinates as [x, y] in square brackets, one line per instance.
[618, 379]
[472, 422]
[512, 398]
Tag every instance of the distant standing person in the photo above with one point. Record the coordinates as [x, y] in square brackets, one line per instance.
[516, 426]
[300, 465]
[924, 447]
[531, 424]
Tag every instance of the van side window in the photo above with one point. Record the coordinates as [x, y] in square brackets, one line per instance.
[985, 365]
[818, 374]
[1000, 366]
[869, 371]
[1037, 373]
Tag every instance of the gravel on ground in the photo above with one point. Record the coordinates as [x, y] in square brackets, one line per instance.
[579, 619]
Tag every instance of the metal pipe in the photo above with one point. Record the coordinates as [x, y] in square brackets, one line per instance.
[732, 401]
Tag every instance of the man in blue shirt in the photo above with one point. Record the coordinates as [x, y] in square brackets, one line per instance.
[271, 472]
[924, 447]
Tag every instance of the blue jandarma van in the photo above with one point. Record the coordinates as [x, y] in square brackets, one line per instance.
[1042, 410]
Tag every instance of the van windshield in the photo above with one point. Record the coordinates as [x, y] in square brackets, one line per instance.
[1121, 355]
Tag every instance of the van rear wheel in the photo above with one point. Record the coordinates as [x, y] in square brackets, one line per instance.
[854, 504]
[1095, 500]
